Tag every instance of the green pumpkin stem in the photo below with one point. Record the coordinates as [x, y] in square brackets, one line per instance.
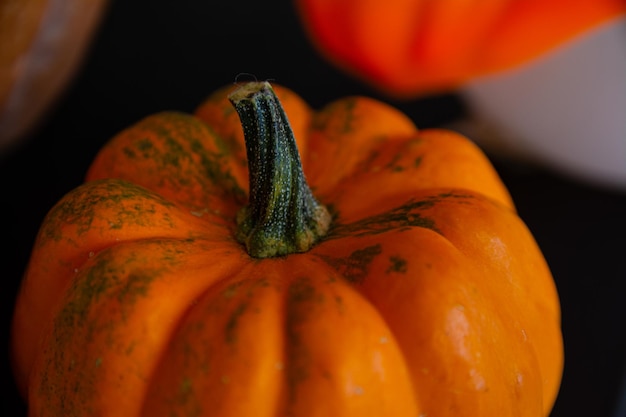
[282, 216]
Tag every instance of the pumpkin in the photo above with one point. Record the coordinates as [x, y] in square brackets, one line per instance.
[198, 271]
[410, 47]
[42, 43]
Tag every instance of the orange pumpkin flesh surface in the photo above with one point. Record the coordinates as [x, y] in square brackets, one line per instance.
[413, 47]
[425, 294]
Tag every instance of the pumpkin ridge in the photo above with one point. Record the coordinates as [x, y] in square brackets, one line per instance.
[193, 157]
[106, 205]
[408, 214]
[327, 293]
[344, 133]
[131, 286]
[355, 267]
[382, 274]
[297, 357]
[419, 161]
[99, 285]
[78, 207]
[225, 308]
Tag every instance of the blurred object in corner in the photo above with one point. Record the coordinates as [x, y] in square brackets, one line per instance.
[41, 45]
[565, 111]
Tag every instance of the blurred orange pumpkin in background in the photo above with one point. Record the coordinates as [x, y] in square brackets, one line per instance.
[411, 47]
[544, 82]
[41, 45]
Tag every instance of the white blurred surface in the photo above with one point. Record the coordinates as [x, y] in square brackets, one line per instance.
[566, 110]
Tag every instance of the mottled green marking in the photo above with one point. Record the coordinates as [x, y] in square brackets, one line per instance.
[80, 322]
[232, 290]
[394, 164]
[87, 290]
[183, 137]
[187, 399]
[302, 291]
[242, 293]
[84, 204]
[214, 166]
[233, 320]
[300, 297]
[355, 267]
[404, 216]
[397, 264]
[135, 286]
[146, 147]
[368, 163]
[345, 107]
[407, 215]
[340, 304]
[186, 387]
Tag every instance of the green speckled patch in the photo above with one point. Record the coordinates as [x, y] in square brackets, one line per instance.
[187, 400]
[397, 264]
[82, 320]
[355, 267]
[182, 139]
[409, 214]
[84, 204]
[241, 293]
[394, 164]
[327, 114]
[233, 320]
[404, 216]
[300, 295]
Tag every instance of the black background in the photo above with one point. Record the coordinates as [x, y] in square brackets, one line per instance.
[155, 55]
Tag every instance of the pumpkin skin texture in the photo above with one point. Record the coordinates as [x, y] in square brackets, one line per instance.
[408, 48]
[426, 296]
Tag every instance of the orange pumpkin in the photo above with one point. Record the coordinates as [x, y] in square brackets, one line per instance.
[401, 282]
[412, 47]
[41, 45]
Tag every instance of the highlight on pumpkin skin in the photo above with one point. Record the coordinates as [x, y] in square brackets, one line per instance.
[408, 48]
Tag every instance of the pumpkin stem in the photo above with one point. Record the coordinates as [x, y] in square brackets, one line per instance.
[282, 216]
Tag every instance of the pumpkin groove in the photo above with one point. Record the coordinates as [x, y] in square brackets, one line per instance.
[427, 295]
